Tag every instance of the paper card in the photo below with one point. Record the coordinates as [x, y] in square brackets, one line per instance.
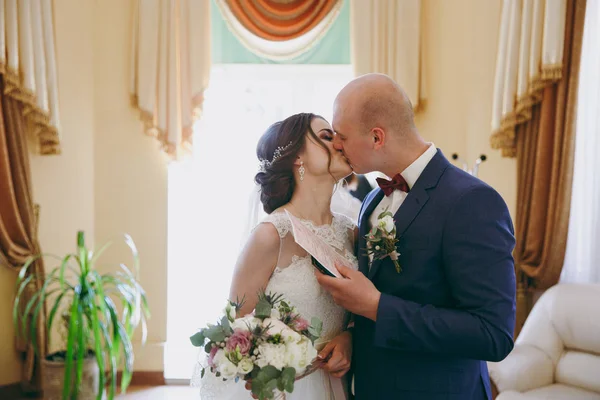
[316, 247]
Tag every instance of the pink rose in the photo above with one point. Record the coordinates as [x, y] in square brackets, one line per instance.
[211, 356]
[240, 339]
[300, 324]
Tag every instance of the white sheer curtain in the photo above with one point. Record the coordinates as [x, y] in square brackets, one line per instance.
[170, 53]
[208, 196]
[386, 38]
[582, 259]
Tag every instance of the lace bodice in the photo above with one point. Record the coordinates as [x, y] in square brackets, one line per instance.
[294, 275]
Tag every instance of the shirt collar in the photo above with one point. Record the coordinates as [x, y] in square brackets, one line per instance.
[414, 170]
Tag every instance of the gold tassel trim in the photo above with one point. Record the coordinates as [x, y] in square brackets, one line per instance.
[173, 150]
[47, 136]
[551, 73]
[504, 137]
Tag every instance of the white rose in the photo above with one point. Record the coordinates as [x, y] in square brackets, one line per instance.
[229, 311]
[271, 354]
[228, 369]
[295, 357]
[300, 355]
[278, 327]
[245, 366]
[387, 223]
[243, 323]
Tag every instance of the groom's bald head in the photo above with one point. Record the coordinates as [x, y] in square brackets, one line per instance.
[376, 100]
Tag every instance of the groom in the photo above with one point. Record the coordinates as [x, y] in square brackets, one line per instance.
[425, 332]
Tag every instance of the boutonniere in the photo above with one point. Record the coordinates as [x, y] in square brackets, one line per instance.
[381, 240]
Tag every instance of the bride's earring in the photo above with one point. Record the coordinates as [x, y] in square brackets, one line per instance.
[301, 170]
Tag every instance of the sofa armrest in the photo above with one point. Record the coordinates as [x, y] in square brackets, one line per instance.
[525, 368]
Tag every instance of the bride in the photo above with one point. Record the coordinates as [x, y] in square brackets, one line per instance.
[299, 171]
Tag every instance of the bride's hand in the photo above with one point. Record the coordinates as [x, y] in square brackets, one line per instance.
[339, 352]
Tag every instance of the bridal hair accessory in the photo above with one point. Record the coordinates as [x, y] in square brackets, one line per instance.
[301, 170]
[264, 164]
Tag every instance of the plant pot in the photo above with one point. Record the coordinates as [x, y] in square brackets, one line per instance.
[53, 376]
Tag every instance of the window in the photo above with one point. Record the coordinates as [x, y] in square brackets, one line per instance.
[208, 196]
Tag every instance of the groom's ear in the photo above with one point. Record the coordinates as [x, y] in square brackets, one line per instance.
[378, 137]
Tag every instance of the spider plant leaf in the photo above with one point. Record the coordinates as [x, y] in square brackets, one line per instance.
[70, 346]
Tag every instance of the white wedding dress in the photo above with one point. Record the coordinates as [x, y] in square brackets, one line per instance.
[294, 278]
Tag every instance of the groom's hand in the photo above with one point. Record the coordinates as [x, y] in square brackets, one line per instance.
[355, 292]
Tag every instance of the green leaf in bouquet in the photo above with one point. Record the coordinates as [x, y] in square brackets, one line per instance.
[257, 387]
[215, 333]
[208, 347]
[268, 373]
[316, 326]
[197, 339]
[280, 384]
[269, 388]
[225, 324]
[288, 376]
[202, 374]
[263, 309]
[264, 390]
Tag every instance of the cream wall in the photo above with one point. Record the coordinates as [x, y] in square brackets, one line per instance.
[461, 37]
[64, 185]
[130, 172]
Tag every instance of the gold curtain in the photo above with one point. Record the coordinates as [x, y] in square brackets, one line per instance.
[545, 147]
[529, 59]
[28, 66]
[18, 217]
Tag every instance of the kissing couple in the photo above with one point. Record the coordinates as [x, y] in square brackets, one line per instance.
[419, 324]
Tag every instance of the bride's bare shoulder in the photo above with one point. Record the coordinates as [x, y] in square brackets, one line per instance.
[265, 235]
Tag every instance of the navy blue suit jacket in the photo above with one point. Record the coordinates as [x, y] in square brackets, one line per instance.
[453, 305]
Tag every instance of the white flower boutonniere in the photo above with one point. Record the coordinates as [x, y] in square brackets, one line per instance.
[381, 240]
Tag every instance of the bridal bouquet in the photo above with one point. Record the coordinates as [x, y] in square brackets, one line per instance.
[271, 348]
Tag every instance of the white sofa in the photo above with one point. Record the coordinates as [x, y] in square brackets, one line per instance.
[557, 353]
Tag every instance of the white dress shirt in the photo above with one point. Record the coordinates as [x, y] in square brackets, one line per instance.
[410, 175]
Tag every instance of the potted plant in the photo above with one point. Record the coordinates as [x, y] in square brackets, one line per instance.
[100, 313]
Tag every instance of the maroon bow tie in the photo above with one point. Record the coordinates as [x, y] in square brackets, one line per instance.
[397, 183]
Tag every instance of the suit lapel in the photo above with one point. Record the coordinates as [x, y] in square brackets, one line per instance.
[415, 200]
[371, 202]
